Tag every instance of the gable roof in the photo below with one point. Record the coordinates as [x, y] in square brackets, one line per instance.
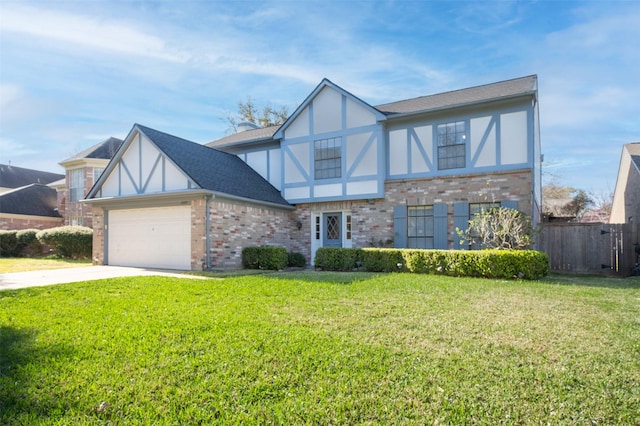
[494, 91]
[34, 200]
[502, 90]
[323, 84]
[211, 169]
[247, 136]
[103, 150]
[16, 177]
[634, 152]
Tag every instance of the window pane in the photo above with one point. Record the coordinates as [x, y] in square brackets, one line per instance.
[328, 158]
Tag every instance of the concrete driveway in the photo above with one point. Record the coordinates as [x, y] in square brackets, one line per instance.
[15, 280]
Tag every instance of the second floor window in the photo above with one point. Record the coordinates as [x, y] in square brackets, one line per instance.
[76, 185]
[96, 174]
[328, 158]
[451, 145]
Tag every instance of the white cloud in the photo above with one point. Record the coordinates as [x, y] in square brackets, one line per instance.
[85, 30]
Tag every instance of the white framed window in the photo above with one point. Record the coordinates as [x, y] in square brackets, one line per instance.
[420, 227]
[76, 185]
[96, 174]
[452, 139]
[328, 158]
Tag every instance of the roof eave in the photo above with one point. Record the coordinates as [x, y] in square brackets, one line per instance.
[391, 115]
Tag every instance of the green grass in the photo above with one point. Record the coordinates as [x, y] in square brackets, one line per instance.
[24, 264]
[322, 348]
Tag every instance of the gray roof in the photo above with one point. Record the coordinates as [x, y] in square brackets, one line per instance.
[215, 170]
[16, 177]
[634, 152]
[104, 150]
[252, 135]
[33, 200]
[457, 98]
[488, 92]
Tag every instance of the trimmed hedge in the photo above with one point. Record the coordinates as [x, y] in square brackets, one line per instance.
[68, 241]
[520, 264]
[265, 257]
[297, 260]
[29, 243]
[9, 246]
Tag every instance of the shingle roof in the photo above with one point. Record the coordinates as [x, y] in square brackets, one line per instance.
[493, 91]
[34, 200]
[16, 177]
[634, 152]
[103, 150]
[213, 169]
[253, 135]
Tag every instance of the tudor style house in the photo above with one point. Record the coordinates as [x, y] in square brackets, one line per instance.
[339, 172]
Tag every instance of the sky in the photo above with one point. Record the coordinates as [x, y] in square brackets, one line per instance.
[74, 73]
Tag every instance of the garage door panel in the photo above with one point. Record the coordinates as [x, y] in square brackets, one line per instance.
[152, 237]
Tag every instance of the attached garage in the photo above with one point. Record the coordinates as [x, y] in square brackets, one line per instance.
[154, 237]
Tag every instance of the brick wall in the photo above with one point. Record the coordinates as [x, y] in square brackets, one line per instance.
[234, 226]
[16, 222]
[372, 221]
[77, 213]
[98, 236]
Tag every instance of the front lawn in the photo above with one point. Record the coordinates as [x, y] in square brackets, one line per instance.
[322, 348]
[24, 264]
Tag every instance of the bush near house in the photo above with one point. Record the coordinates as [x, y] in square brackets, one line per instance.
[74, 242]
[9, 244]
[522, 264]
[297, 260]
[29, 244]
[265, 257]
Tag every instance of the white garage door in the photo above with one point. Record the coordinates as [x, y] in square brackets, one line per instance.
[152, 237]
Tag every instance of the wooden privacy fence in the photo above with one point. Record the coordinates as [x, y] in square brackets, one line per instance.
[590, 248]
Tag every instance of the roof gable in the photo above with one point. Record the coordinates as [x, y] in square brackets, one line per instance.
[104, 150]
[318, 91]
[634, 152]
[206, 167]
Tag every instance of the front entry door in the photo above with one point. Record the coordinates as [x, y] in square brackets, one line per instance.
[332, 225]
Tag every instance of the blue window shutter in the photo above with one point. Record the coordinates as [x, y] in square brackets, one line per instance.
[461, 221]
[400, 226]
[510, 204]
[440, 234]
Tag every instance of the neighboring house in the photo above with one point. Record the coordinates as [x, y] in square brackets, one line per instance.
[12, 177]
[338, 173]
[81, 172]
[25, 199]
[626, 197]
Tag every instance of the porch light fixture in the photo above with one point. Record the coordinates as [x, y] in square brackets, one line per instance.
[299, 225]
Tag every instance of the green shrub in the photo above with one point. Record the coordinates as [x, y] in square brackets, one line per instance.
[9, 246]
[338, 259]
[68, 241]
[504, 264]
[272, 258]
[297, 260]
[28, 241]
[382, 260]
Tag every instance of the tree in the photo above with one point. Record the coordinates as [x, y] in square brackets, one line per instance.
[499, 228]
[564, 201]
[249, 112]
